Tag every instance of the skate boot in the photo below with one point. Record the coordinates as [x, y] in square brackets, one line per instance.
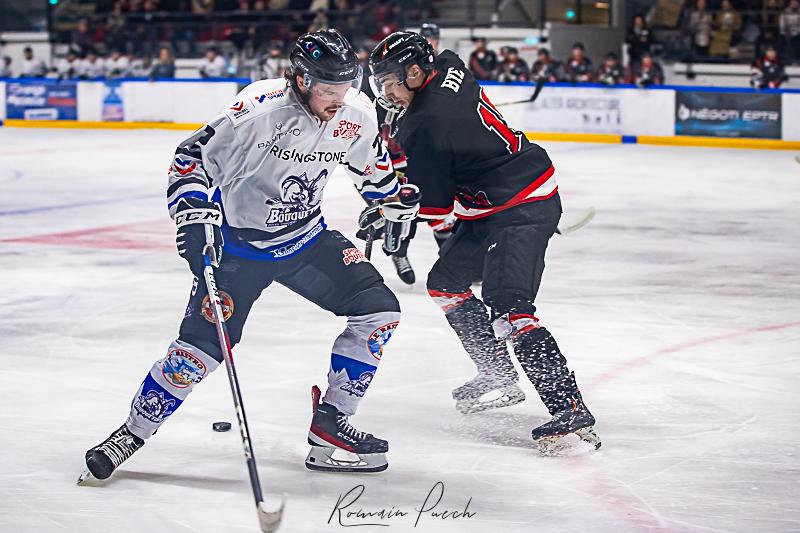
[336, 446]
[574, 419]
[103, 459]
[487, 392]
[404, 269]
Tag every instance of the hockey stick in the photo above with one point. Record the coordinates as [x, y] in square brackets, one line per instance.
[268, 520]
[387, 120]
[536, 90]
[567, 227]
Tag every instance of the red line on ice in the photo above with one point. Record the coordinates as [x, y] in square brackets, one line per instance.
[144, 235]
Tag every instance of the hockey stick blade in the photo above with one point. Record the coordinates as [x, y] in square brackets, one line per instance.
[270, 521]
[538, 89]
[567, 227]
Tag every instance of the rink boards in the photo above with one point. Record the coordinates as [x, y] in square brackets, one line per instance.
[668, 115]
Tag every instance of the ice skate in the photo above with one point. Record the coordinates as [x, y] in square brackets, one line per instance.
[103, 459]
[576, 419]
[485, 392]
[404, 269]
[336, 446]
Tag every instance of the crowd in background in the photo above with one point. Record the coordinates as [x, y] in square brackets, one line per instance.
[250, 38]
[507, 66]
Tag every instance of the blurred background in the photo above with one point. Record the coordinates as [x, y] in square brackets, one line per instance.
[708, 42]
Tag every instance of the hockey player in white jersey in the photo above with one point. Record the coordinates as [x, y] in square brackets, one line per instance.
[263, 165]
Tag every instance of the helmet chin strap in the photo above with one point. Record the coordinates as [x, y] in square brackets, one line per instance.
[303, 96]
[405, 82]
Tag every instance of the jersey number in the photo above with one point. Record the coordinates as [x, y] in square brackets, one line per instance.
[494, 121]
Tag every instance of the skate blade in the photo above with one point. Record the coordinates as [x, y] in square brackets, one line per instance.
[562, 445]
[509, 396]
[325, 459]
[86, 479]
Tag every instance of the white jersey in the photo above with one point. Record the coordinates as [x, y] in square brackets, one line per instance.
[269, 159]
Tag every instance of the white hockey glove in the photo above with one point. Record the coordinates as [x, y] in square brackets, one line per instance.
[191, 216]
[395, 217]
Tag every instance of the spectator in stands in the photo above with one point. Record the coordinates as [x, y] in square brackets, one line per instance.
[700, 26]
[116, 65]
[611, 72]
[578, 68]
[513, 67]
[116, 32]
[138, 66]
[31, 66]
[213, 65]
[430, 31]
[648, 72]
[727, 24]
[82, 38]
[92, 67]
[274, 64]
[69, 68]
[767, 72]
[165, 66]
[639, 39]
[5, 68]
[790, 29]
[545, 66]
[482, 62]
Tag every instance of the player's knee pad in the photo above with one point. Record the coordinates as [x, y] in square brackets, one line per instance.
[167, 385]
[355, 357]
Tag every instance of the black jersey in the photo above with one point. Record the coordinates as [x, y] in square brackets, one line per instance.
[461, 152]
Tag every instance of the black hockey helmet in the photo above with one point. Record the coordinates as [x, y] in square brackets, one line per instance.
[324, 56]
[429, 29]
[396, 53]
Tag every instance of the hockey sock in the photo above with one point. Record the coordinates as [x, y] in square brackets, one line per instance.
[469, 318]
[167, 385]
[355, 357]
[543, 363]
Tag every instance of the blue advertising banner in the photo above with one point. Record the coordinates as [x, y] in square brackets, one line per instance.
[34, 100]
[728, 114]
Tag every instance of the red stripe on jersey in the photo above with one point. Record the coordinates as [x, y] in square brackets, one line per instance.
[436, 212]
[430, 79]
[519, 198]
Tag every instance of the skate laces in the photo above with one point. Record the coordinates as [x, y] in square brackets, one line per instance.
[346, 428]
[119, 446]
[402, 263]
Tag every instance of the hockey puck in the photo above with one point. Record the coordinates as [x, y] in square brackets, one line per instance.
[221, 426]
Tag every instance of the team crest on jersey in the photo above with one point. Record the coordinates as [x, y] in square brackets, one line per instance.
[227, 307]
[239, 109]
[378, 338]
[269, 96]
[154, 406]
[299, 197]
[182, 369]
[182, 166]
[353, 255]
[357, 387]
[347, 130]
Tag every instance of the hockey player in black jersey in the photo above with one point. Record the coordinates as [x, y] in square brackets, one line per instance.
[466, 160]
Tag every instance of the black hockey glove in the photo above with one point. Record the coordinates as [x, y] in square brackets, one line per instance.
[192, 216]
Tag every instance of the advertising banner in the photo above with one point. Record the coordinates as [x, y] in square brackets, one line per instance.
[31, 100]
[573, 109]
[731, 114]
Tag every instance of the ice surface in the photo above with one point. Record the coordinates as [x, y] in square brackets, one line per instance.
[677, 307]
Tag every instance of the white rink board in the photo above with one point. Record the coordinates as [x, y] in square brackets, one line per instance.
[677, 307]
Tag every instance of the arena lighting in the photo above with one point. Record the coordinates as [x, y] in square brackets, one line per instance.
[570, 14]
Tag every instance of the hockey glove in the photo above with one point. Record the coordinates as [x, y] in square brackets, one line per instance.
[191, 216]
[399, 217]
